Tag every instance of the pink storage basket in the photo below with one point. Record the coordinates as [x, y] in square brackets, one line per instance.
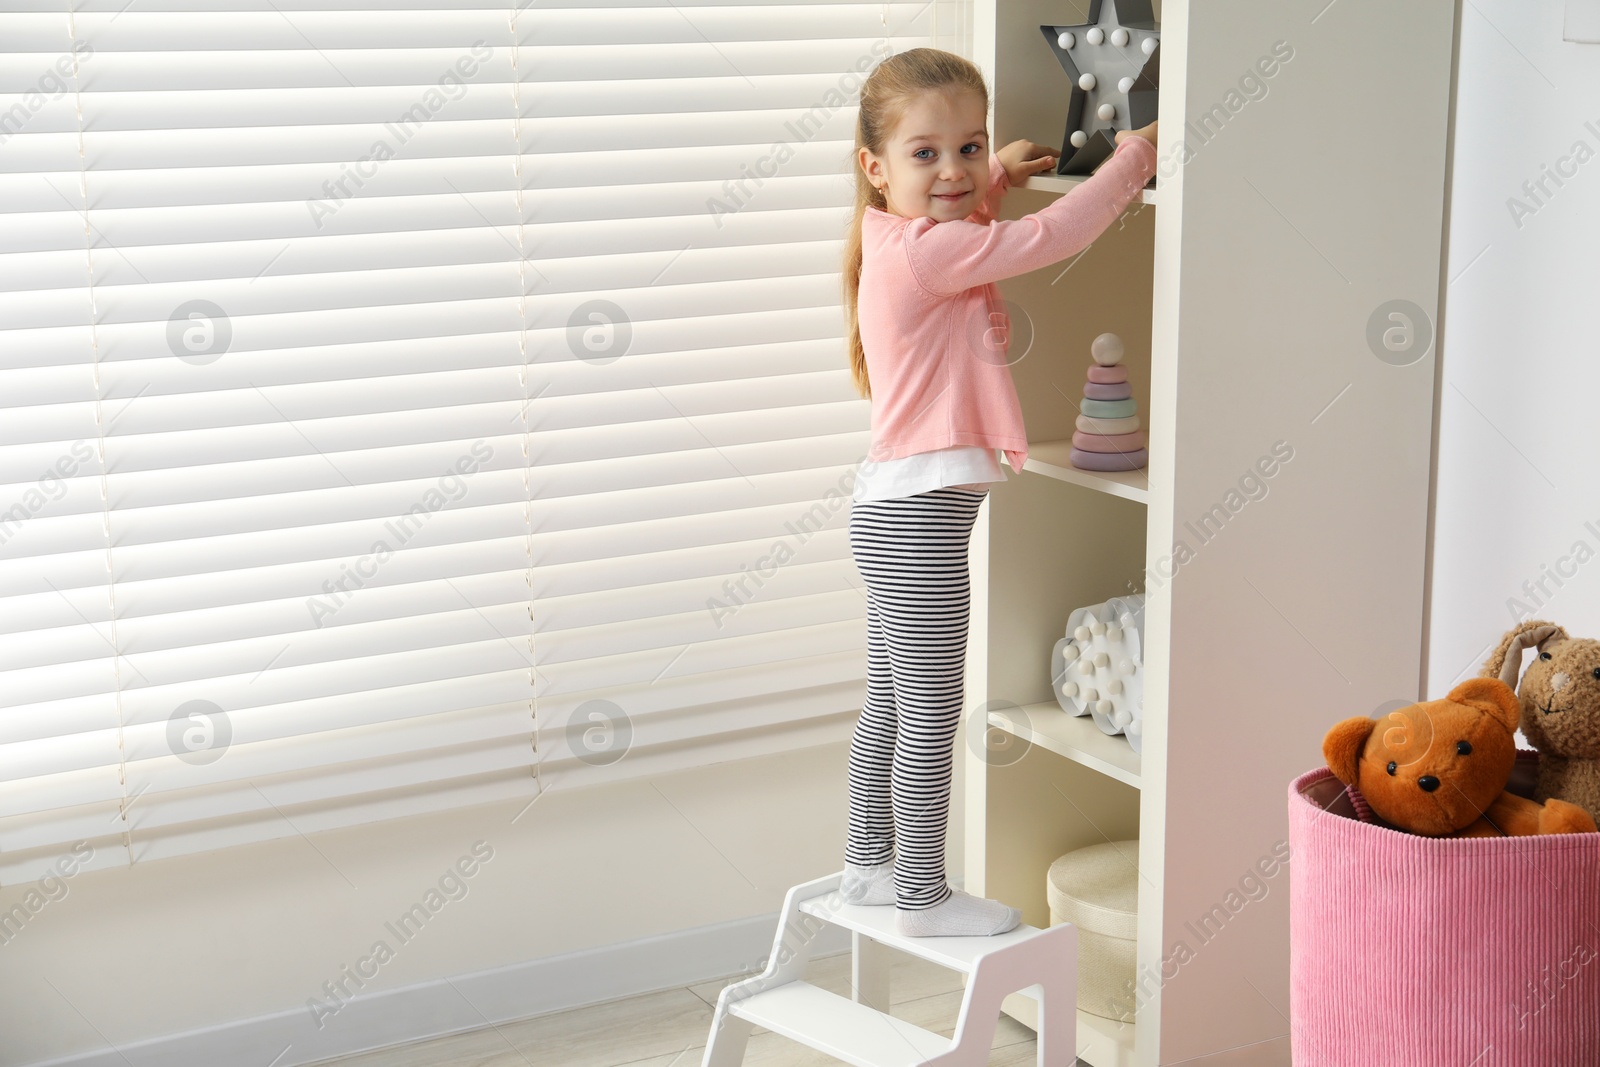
[1415, 951]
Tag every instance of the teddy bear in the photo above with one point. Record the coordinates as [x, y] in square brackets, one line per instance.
[1560, 695]
[1440, 767]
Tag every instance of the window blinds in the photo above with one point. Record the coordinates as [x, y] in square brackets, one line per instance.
[408, 406]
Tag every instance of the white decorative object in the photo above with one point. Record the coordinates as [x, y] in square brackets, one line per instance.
[1066, 39]
[1095, 35]
[1097, 668]
[1086, 81]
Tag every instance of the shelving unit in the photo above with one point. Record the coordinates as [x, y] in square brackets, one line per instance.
[1242, 285]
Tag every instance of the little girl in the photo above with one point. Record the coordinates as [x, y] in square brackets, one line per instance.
[926, 319]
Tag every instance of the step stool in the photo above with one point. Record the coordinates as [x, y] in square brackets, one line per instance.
[1040, 964]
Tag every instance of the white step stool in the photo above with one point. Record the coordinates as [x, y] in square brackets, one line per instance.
[1041, 964]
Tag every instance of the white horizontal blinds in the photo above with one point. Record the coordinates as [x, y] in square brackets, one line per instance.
[281, 289]
[58, 690]
[295, 595]
[58, 693]
[695, 430]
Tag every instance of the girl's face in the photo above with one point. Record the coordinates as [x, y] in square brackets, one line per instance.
[937, 160]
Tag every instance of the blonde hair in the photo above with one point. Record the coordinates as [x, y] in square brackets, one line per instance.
[892, 84]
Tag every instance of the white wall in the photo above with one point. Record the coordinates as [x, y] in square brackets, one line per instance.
[1518, 484]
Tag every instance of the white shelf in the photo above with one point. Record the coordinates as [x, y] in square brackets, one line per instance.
[1053, 460]
[1074, 736]
[1061, 183]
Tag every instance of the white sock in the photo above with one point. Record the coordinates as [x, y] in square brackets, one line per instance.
[868, 885]
[961, 915]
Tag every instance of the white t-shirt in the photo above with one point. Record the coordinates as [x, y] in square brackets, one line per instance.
[962, 466]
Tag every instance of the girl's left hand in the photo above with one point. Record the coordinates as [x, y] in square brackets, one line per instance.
[1024, 159]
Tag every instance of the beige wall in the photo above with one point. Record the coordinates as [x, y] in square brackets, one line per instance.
[193, 942]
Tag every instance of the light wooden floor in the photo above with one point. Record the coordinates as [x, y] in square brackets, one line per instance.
[669, 1028]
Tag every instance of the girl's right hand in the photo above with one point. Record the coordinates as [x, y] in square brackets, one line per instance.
[1148, 133]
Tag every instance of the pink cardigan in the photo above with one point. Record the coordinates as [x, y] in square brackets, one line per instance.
[933, 324]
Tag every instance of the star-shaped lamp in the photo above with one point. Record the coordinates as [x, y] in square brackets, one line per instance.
[1114, 63]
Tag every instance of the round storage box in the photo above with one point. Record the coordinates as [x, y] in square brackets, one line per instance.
[1097, 890]
[1422, 950]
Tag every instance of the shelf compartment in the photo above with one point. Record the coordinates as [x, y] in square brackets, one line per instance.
[1073, 736]
[1053, 460]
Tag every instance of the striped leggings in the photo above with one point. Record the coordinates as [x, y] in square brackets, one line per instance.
[912, 553]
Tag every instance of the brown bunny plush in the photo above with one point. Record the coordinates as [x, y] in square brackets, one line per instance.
[1440, 767]
[1560, 697]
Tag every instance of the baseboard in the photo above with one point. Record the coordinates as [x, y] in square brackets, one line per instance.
[470, 1002]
